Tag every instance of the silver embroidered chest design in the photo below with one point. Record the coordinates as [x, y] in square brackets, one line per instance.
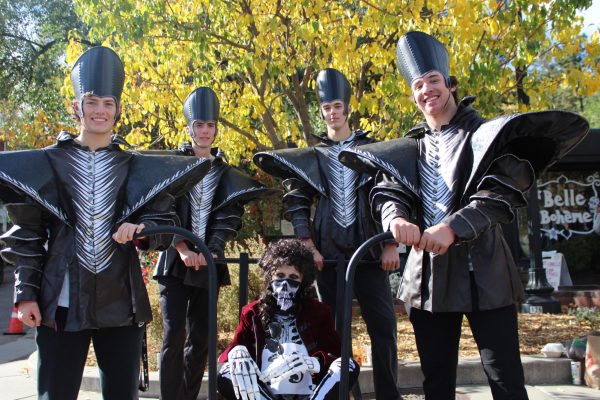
[201, 199]
[94, 198]
[435, 170]
[342, 188]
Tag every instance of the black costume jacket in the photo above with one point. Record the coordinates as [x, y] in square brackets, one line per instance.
[213, 210]
[74, 200]
[342, 220]
[470, 175]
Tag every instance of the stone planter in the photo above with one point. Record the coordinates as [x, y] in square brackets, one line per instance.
[578, 296]
[596, 298]
[398, 307]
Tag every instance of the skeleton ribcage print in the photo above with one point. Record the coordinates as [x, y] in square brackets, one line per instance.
[289, 331]
[201, 198]
[93, 178]
[435, 170]
[342, 187]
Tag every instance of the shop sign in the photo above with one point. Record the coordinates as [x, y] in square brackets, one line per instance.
[568, 207]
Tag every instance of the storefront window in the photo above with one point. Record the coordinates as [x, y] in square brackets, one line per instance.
[569, 204]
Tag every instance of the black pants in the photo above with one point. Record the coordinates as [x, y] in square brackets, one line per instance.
[62, 356]
[497, 338]
[372, 289]
[184, 350]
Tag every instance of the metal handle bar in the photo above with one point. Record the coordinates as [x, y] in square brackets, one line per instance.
[212, 296]
[347, 320]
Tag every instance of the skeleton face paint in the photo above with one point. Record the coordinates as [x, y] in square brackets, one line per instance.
[284, 291]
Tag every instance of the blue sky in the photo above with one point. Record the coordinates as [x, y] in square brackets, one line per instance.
[591, 18]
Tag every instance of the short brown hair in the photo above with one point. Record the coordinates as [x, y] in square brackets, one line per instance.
[454, 82]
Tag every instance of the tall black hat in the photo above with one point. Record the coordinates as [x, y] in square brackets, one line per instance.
[418, 53]
[201, 105]
[333, 85]
[98, 71]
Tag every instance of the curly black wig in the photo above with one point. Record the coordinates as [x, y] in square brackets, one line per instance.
[284, 252]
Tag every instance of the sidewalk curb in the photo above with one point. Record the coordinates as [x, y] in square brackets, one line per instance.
[538, 371]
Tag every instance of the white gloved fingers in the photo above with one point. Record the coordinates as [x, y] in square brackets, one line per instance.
[313, 364]
[254, 385]
[336, 365]
[239, 352]
[277, 367]
[292, 364]
[282, 377]
[234, 383]
[249, 376]
[243, 373]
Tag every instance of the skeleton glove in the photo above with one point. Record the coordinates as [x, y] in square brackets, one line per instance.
[286, 365]
[244, 374]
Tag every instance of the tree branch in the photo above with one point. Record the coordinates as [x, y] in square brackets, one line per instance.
[245, 134]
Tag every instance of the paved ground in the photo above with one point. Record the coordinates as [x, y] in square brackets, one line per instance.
[17, 370]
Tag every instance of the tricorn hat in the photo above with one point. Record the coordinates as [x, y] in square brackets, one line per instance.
[98, 71]
[418, 53]
[200, 105]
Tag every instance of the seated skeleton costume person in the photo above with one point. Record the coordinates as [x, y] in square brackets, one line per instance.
[285, 346]
[75, 207]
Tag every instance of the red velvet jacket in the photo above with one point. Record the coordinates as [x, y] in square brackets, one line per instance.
[315, 326]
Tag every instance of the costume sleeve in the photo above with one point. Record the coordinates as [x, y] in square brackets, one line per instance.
[244, 335]
[224, 226]
[390, 199]
[296, 205]
[24, 248]
[160, 211]
[502, 189]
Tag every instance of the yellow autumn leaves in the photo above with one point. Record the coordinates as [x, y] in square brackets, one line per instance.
[261, 57]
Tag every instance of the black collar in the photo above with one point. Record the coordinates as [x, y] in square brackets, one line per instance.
[187, 150]
[65, 138]
[358, 134]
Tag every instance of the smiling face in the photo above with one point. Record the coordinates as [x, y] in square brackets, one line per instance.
[432, 96]
[99, 114]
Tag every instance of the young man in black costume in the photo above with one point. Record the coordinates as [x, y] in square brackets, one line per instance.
[341, 222]
[213, 210]
[86, 198]
[445, 191]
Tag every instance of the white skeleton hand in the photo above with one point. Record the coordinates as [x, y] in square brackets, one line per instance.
[286, 365]
[244, 374]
